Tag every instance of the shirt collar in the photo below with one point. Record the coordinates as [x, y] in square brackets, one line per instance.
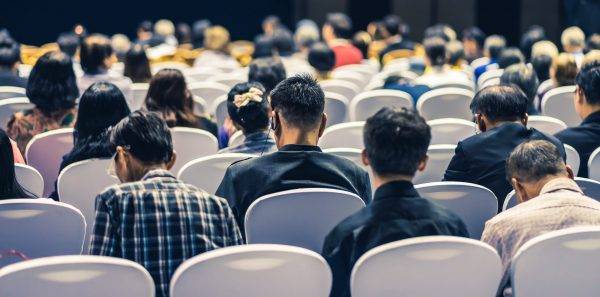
[396, 189]
[300, 147]
[559, 184]
[592, 118]
[260, 135]
[158, 173]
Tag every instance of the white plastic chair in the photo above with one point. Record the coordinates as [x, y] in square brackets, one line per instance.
[490, 74]
[10, 106]
[548, 125]
[440, 156]
[494, 81]
[237, 138]
[336, 108]
[594, 165]
[229, 79]
[350, 76]
[79, 184]
[11, 92]
[342, 87]
[44, 152]
[450, 131]
[291, 218]
[30, 179]
[256, 270]
[139, 92]
[156, 67]
[573, 159]
[366, 104]
[219, 109]
[346, 135]
[208, 172]
[72, 276]
[446, 103]
[459, 84]
[559, 263]
[590, 188]
[190, 144]
[474, 204]
[480, 62]
[209, 91]
[559, 103]
[40, 228]
[200, 105]
[352, 154]
[199, 74]
[429, 266]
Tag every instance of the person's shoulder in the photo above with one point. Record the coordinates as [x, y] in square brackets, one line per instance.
[346, 228]
[248, 164]
[341, 162]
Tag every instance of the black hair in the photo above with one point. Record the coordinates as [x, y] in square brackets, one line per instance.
[101, 106]
[529, 38]
[500, 103]
[198, 29]
[52, 85]
[137, 66]
[392, 24]
[588, 79]
[495, 44]
[299, 100]
[271, 19]
[145, 26]
[252, 117]
[283, 42]
[396, 140]
[542, 64]
[593, 42]
[268, 72]
[183, 33]
[341, 25]
[263, 47]
[9, 186]
[435, 49]
[68, 43]
[474, 33]
[534, 160]
[146, 135]
[510, 56]
[94, 50]
[10, 51]
[169, 97]
[437, 30]
[321, 57]
[523, 77]
[455, 52]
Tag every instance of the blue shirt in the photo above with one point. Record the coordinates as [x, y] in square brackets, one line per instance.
[257, 143]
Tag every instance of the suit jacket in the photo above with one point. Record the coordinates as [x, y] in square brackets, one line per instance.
[397, 212]
[481, 159]
[292, 167]
[402, 44]
[11, 79]
[585, 138]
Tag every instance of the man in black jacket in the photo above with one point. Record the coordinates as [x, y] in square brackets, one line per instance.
[10, 55]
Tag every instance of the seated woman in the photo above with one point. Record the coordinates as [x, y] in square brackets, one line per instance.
[249, 110]
[169, 96]
[9, 186]
[52, 88]
[101, 106]
[137, 66]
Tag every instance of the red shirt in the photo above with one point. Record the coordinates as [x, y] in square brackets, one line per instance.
[345, 53]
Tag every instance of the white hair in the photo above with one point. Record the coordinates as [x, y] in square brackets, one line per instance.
[544, 48]
[573, 36]
[164, 28]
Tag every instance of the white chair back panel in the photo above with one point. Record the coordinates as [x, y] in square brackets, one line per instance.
[573, 159]
[440, 156]
[594, 165]
[208, 172]
[558, 103]
[11, 92]
[10, 106]
[488, 75]
[347, 135]
[546, 124]
[344, 88]
[220, 110]
[368, 103]
[446, 103]
[336, 108]
[236, 139]
[138, 97]
[450, 131]
[209, 91]
[590, 188]
[191, 144]
[29, 179]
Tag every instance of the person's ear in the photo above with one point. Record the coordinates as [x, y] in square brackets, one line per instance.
[570, 172]
[423, 164]
[171, 162]
[480, 122]
[323, 124]
[525, 119]
[519, 190]
[365, 158]
[580, 96]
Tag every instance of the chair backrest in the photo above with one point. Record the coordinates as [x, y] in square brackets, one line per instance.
[76, 187]
[11, 92]
[229, 79]
[290, 217]
[207, 173]
[590, 188]
[40, 228]
[191, 144]
[548, 125]
[440, 156]
[350, 76]
[199, 74]
[30, 179]
[446, 103]
[342, 87]
[10, 106]
[473, 203]
[480, 62]
[254, 270]
[219, 109]
[558, 103]
[71, 276]
[209, 91]
[450, 131]
[156, 67]
[237, 138]
[494, 81]
[594, 165]
[352, 154]
[490, 74]
[559, 263]
[44, 152]
[573, 159]
[457, 266]
[368, 103]
[346, 135]
[336, 108]
[459, 84]
[139, 92]
[200, 106]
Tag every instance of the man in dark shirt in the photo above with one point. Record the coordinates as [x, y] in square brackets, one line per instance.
[10, 55]
[298, 122]
[501, 116]
[392, 26]
[586, 137]
[396, 144]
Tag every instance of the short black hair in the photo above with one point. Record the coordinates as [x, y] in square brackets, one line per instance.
[494, 45]
[396, 140]
[529, 38]
[10, 51]
[438, 30]
[341, 24]
[588, 79]
[68, 43]
[542, 64]
[534, 160]
[523, 77]
[146, 135]
[455, 52]
[392, 24]
[321, 57]
[94, 50]
[510, 56]
[435, 49]
[500, 103]
[145, 26]
[271, 19]
[198, 28]
[101, 106]
[283, 42]
[299, 100]
[474, 33]
[266, 71]
[252, 117]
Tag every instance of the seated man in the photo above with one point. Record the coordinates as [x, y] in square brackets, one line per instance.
[337, 31]
[392, 28]
[396, 143]
[492, 48]
[298, 122]
[10, 56]
[501, 116]
[548, 197]
[586, 137]
[152, 218]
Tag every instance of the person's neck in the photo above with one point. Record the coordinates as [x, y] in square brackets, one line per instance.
[497, 124]
[379, 180]
[538, 186]
[586, 110]
[298, 137]
[140, 172]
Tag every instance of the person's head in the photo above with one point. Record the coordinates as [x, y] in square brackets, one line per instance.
[283, 42]
[591, 57]
[495, 105]
[321, 57]
[592, 43]
[473, 39]
[270, 24]
[573, 40]
[101, 106]
[337, 25]
[391, 25]
[96, 54]
[120, 44]
[183, 33]
[68, 43]
[216, 38]
[10, 53]
[267, 71]
[587, 95]
[396, 142]
[164, 28]
[524, 77]
[532, 164]
[52, 85]
[544, 48]
[563, 70]
[306, 35]
[144, 30]
[298, 103]
[435, 51]
[362, 40]
[169, 96]
[9, 186]
[493, 46]
[529, 38]
[510, 56]
[198, 29]
[142, 142]
[455, 53]
[137, 66]
[248, 107]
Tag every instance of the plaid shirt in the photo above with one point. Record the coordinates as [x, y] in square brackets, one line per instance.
[160, 222]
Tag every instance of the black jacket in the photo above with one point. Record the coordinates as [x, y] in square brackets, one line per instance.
[584, 138]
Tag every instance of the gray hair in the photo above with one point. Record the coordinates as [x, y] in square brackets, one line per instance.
[534, 160]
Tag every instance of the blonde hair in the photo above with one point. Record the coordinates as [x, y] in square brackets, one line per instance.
[591, 57]
[120, 43]
[573, 37]
[216, 38]
[544, 48]
[564, 69]
[164, 28]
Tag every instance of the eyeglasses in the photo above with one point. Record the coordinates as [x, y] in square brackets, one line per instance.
[111, 170]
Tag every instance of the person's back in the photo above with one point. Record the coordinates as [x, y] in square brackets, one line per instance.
[10, 55]
[336, 32]
[396, 144]
[438, 72]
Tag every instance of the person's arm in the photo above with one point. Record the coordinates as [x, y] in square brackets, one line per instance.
[103, 238]
[458, 168]
[338, 257]
[16, 153]
[367, 192]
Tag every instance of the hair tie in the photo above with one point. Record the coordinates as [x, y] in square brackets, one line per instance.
[253, 94]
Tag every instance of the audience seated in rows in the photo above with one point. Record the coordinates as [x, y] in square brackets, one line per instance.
[152, 218]
[524, 77]
[549, 199]
[510, 56]
[438, 72]
[501, 116]
[136, 65]
[493, 47]
[396, 143]
[473, 40]
[322, 58]
[216, 49]
[10, 56]
[392, 31]
[562, 73]
[573, 42]
[9, 186]
[337, 31]
[542, 54]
